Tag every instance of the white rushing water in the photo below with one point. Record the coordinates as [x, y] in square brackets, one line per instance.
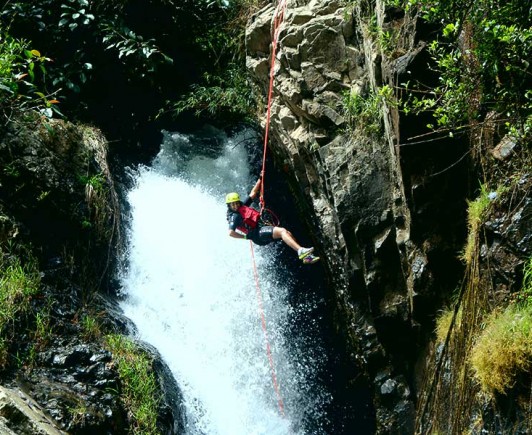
[191, 293]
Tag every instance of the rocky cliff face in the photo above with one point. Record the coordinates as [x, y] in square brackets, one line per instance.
[352, 183]
[388, 213]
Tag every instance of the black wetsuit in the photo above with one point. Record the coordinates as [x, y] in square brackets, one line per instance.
[260, 235]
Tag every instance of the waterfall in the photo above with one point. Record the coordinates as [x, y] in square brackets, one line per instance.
[191, 293]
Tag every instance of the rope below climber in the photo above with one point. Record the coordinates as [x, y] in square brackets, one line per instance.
[245, 222]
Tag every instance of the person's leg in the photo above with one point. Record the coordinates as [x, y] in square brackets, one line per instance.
[304, 254]
[287, 237]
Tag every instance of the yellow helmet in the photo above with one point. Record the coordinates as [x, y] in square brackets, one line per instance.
[232, 197]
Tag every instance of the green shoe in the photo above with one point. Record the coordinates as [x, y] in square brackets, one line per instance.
[304, 252]
[310, 259]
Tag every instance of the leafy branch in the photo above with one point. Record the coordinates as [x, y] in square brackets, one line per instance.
[21, 71]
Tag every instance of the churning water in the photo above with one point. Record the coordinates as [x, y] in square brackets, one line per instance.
[191, 293]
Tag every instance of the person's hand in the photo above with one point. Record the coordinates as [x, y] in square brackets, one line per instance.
[256, 189]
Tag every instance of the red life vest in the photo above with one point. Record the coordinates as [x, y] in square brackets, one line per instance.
[250, 216]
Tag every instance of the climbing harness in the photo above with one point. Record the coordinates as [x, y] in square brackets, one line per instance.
[267, 216]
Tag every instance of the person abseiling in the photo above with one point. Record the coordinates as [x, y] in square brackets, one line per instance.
[244, 223]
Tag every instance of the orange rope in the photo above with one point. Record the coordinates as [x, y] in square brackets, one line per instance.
[265, 331]
[277, 20]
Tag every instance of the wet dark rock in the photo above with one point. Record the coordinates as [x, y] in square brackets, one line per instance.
[21, 415]
[389, 387]
[508, 241]
[70, 376]
[505, 148]
[69, 387]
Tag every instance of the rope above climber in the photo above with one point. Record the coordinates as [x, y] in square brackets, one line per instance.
[245, 222]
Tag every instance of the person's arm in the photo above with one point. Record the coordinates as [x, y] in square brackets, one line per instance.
[236, 235]
[234, 219]
[256, 190]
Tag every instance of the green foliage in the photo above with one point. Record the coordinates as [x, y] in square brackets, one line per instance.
[444, 322]
[97, 199]
[43, 329]
[478, 208]
[19, 283]
[482, 63]
[230, 93]
[4, 351]
[96, 182]
[11, 170]
[139, 392]
[143, 57]
[509, 333]
[20, 70]
[388, 95]
[385, 38]
[112, 51]
[75, 13]
[78, 413]
[59, 23]
[78, 34]
[526, 293]
[140, 55]
[224, 91]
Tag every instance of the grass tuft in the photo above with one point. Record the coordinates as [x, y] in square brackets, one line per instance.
[526, 293]
[443, 323]
[139, 386]
[504, 348]
[18, 285]
[477, 212]
[91, 328]
[362, 112]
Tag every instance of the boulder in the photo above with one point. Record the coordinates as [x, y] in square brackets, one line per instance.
[21, 415]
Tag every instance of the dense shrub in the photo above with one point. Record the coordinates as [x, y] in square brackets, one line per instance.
[224, 91]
